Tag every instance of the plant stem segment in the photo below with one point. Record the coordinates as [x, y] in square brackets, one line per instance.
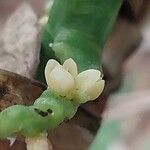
[77, 29]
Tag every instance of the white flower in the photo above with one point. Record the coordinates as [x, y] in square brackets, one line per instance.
[65, 81]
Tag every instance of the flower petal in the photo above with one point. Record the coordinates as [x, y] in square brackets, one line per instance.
[91, 93]
[38, 143]
[61, 82]
[71, 67]
[51, 64]
[86, 78]
[95, 90]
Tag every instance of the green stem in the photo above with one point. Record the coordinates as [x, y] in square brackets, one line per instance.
[78, 29]
[46, 113]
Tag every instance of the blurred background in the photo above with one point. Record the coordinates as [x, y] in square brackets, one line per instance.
[123, 110]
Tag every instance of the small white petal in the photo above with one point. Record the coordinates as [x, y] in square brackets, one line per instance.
[95, 90]
[86, 78]
[71, 67]
[51, 64]
[61, 81]
[38, 143]
[91, 93]
[89, 85]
